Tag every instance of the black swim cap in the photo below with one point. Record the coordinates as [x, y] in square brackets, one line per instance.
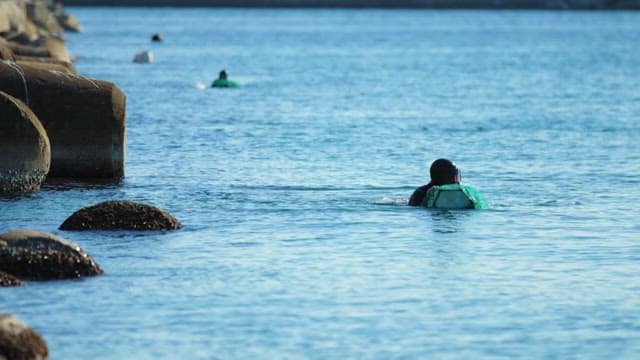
[443, 171]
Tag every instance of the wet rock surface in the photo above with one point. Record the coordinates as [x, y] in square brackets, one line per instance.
[25, 152]
[19, 342]
[85, 119]
[121, 215]
[35, 255]
[7, 280]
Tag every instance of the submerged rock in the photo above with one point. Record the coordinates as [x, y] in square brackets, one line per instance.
[25, 152]
[19, 342]
[35, 255]
[120, 215]
[144, 57]
[7, 280]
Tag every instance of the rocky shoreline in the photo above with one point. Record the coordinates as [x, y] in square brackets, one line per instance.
[412, 4]
[53, 123]
[56, 123]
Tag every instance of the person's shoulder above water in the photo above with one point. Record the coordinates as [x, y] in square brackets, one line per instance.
[446, 191]
[223, 81]
[454, 196]
[419, 194]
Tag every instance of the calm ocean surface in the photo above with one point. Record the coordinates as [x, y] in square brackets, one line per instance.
[291, 189]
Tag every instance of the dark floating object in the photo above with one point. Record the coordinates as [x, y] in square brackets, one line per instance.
[157, 37]
[7, 280]
[120, 215]
[35, 255]
[19, 341]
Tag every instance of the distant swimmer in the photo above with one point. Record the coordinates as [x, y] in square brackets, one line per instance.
[222, 81]
[445, 191]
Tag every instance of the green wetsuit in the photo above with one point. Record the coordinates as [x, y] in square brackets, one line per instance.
[223, 83]
[454, 196]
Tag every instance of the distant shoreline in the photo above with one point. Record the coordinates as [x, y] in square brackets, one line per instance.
[407, 4]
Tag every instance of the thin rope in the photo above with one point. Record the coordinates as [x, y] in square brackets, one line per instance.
[19, 70]
[74, 76]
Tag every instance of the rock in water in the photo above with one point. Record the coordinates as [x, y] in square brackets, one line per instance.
[7, 280]
[144, 57]
[120, 215]
[25, 152]
[19, 342]
[157, 37]
[35, 255]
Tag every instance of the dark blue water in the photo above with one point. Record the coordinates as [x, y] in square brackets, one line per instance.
[297, 242]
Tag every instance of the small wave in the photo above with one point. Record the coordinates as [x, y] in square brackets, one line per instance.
[388, 200]
[200, 86]
[548, 203]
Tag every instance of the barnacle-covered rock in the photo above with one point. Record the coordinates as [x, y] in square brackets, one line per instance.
[7, 280]
[19, 342]
[120, 215]
[35, 255]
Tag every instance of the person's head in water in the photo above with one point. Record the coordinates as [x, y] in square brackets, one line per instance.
[444, 171]
[223, 75]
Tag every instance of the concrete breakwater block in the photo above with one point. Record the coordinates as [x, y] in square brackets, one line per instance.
[55, 46]
[25, 152]
[13, 18]
[18, 341]
[40, 62]
[69, 22]
[48, 48]
[120, 215]
[35, 255]
[85, 119]
[7, 280]
[6, 53]
[46, 64]
[31, 51]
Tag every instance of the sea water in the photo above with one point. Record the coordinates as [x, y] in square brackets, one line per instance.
[297, 242]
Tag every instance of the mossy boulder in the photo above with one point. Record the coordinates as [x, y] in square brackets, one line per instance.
[121, 215]
[35, 255]
[19, 342]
